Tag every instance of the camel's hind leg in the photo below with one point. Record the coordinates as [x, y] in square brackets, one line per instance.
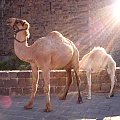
[78, 87]
[46, 75]
[35, 75]
[88, 73]
[112, 77]
[69, 81]
[111, 71]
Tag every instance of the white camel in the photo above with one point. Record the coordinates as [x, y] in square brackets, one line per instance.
[51, 52]
[96, 61]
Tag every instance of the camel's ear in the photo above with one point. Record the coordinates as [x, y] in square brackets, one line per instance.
[23, 23]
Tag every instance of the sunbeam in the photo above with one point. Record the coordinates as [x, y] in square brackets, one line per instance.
[116, 10]
[103, 27]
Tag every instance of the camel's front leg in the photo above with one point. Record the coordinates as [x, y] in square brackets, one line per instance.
[69, 81]
[35, 75]
[88, 73]
[46, 75]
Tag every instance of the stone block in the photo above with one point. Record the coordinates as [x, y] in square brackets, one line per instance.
[1, 83]
[95, 78]
[83, 77]
[118, 77]
[105, 87]
[12, 74]
[16, 91]
[83, 87]
[24, 82]
[52, 90]
[4, 91]
[27, 91]
[96, 87]
[10, 83]
[40, 91]
[4, 75]
[59, 81]
[117, 87]
[24, 74]
[53, 81]
[58, 89]
[117, 71]
[57, 73]
[105, 78]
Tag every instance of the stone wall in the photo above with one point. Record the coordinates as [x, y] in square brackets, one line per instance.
[17, 83]
[70, 17]
[87, 23]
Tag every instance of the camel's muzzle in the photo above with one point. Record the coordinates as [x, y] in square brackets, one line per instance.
[9, 22]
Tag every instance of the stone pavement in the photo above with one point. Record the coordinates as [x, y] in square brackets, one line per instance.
[99, 108]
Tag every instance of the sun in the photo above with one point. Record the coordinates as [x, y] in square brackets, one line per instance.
[116, 10]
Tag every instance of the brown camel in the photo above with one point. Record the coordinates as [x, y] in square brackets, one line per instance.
[51, 52]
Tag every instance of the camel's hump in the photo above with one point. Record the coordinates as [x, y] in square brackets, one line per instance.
[95, 49]
[55, 34]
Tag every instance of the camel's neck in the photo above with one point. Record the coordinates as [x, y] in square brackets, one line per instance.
[22, 50]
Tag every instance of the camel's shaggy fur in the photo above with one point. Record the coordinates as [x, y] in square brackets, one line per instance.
[96, 61]
[51, 52]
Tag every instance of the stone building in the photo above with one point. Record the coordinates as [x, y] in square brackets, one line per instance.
[87, 23]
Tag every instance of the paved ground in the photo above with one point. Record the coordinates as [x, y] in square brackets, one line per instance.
[98, 108]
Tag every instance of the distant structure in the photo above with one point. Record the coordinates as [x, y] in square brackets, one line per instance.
[85, 22]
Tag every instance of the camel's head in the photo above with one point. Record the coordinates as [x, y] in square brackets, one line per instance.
[18, 23]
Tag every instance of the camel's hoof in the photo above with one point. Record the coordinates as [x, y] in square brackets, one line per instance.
[79, 102]
[62, 98]
[109, 96]
[27, 107]
[48, 107]
[112, 95]
[89, 98]
[47, 110]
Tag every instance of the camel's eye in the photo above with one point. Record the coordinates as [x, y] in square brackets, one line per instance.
[22, 23]
[17, 22]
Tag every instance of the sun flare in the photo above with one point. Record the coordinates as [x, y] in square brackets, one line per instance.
[116, 10]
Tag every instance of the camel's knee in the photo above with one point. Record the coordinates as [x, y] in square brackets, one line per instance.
[77, 72]
[34, 86]
[112, 82]
[69, 81]
[46, 89]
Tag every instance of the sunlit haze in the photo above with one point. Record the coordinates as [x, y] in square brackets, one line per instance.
[116, 10]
